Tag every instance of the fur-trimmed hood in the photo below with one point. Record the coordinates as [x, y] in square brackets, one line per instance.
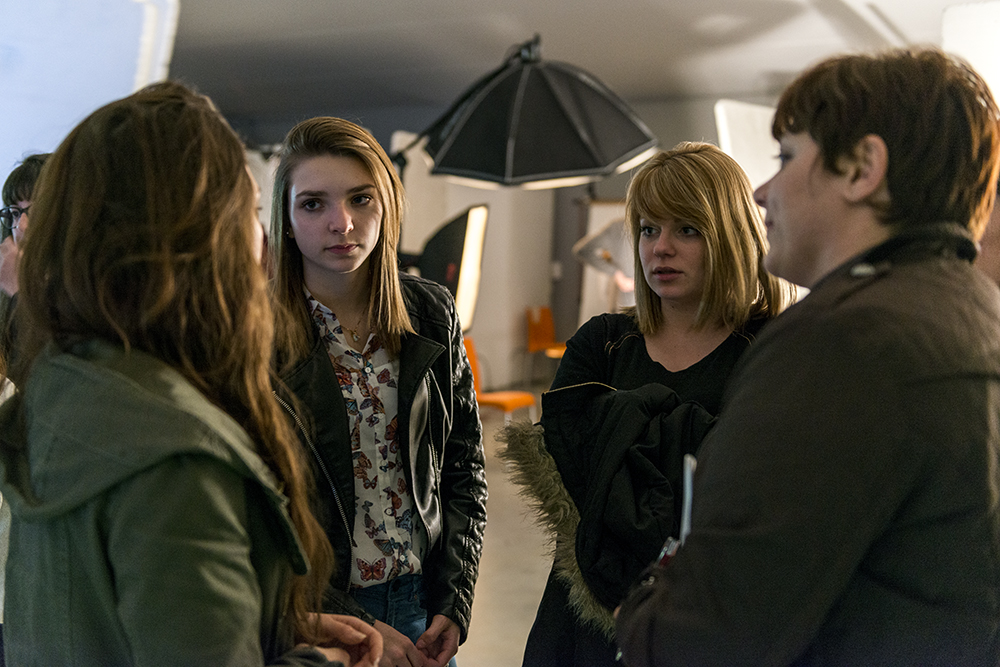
[534, 470]
[602, 472]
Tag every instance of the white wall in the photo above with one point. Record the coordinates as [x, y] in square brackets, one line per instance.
[673, 121]
[970, 31]
[62, 59]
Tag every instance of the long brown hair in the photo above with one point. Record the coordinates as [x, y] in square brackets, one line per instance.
[142, 233]
[387, 315]
[700, 184]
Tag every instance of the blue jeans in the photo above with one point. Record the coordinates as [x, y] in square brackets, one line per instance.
[399, 604]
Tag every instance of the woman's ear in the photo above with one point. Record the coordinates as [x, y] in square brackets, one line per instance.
[866, 171]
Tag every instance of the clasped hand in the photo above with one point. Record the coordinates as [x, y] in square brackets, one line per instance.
[349, 640]
[434, 648]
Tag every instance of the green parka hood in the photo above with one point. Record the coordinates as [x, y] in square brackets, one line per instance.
[67, 435]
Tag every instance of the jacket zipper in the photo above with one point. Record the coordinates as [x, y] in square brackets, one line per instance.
[326, 474]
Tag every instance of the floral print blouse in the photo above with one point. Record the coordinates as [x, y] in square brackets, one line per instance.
[389, 541]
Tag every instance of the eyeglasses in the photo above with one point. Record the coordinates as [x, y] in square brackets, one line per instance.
[10, 216]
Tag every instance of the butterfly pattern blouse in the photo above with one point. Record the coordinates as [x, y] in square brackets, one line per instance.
[389, 541]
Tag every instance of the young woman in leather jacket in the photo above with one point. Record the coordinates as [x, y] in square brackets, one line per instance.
[382, 394]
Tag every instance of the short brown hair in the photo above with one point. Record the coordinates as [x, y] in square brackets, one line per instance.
[387, 310]
[933, 111]
[705, 187]
[20, 182]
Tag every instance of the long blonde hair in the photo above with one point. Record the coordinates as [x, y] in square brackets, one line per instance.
[700, 184]
[386, 309]
[142, 233]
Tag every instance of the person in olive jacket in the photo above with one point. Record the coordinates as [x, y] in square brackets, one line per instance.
[160, 504]
[382, 393]
[846, 507]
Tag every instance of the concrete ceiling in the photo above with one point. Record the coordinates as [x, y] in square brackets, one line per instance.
[271, 60]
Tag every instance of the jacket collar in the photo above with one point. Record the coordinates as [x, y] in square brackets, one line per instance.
[943, 239]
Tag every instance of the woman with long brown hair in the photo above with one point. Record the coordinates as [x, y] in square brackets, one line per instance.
[390, 420]
[160, 504]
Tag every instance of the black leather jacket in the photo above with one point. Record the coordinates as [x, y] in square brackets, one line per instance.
[442, 448]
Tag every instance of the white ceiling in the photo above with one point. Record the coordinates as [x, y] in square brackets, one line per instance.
[266, 60]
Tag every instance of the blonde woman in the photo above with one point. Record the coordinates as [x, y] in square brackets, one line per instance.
[701, 297]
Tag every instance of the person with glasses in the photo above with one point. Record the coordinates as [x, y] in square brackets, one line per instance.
[17, 191]
[11, 216]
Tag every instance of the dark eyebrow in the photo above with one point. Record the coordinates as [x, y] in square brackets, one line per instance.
[367, 187]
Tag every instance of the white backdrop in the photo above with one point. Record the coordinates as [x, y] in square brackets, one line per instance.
[62, 59]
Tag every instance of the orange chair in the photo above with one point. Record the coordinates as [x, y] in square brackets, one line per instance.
[507, 401]
[542, 337]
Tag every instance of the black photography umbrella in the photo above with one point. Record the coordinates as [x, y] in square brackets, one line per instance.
[533, 122]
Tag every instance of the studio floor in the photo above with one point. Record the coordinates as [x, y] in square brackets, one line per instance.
[512, 572]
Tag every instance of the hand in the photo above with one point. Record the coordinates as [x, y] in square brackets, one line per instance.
[399, 650]
[360, 642]
[333, 654]
[10, 256]
[440, 641]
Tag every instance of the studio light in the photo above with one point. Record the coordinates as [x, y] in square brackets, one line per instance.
[535, 124]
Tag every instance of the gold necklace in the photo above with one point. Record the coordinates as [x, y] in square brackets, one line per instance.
[355, 333]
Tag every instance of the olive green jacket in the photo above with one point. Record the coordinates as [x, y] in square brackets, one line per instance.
[146, 529]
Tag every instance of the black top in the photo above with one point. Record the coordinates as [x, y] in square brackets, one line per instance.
[610, 349]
